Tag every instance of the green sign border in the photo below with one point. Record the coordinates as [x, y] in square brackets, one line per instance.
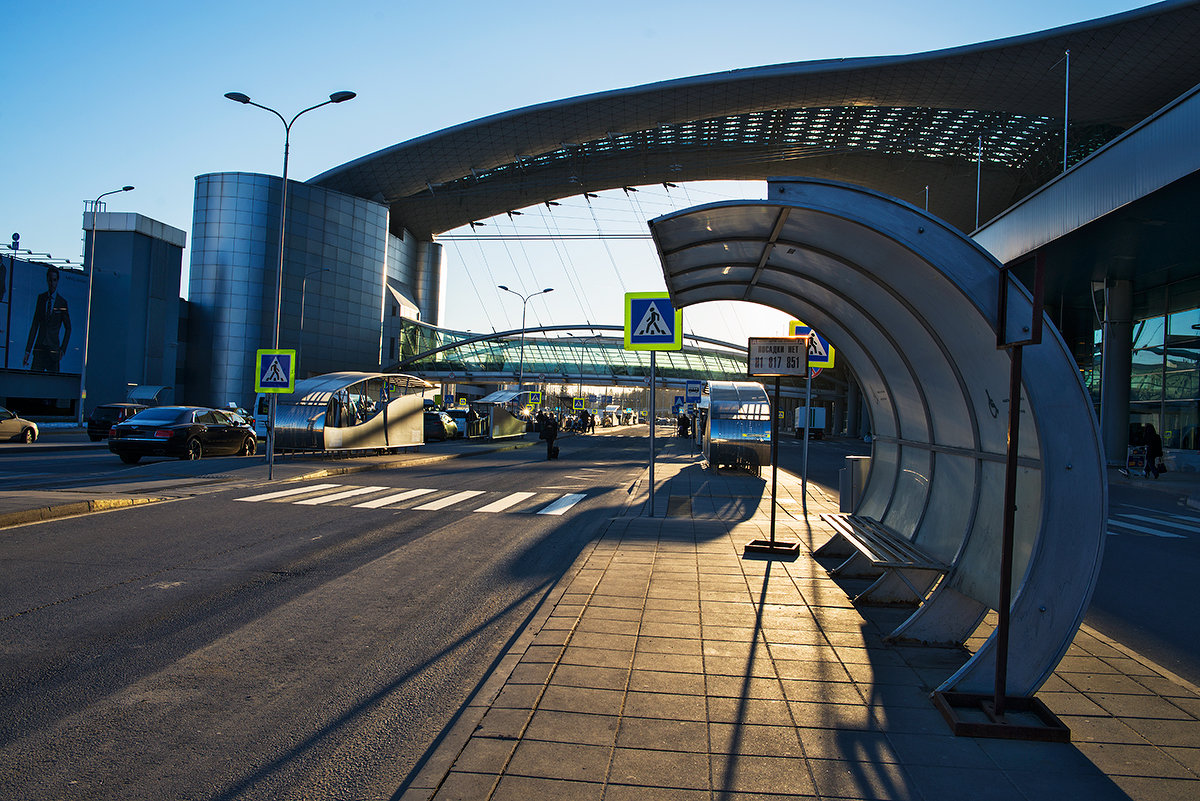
[258, 363]
[630, 323]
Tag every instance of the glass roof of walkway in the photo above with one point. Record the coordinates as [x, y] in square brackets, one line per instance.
[561, 353]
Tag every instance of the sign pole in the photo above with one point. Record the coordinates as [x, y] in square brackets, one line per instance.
[271, 440]
[774, 357]
[652, 360]
[774, 457]
[804, 459]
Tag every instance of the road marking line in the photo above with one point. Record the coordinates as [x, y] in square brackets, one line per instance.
[1152, 531]
[563, 504]
[285, 493]
[1160, 520]
[376, 503]
[504, 503]
[442, 503]
[338, 496]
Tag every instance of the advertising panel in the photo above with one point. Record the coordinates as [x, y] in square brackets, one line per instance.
[43, 314]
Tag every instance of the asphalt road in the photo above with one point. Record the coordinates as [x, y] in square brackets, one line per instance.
[216, 648]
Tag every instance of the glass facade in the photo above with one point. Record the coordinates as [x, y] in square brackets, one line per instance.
[333, 281]
[1165, 370]
[566, 358]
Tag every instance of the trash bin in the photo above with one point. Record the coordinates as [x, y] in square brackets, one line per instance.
[851, 480]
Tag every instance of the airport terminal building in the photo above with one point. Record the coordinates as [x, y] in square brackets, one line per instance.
[1074, 145]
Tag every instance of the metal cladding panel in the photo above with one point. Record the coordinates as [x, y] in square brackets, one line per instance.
[1145, 159]
[912, 305]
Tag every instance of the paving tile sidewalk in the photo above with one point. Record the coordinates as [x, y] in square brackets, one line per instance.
[666, 665]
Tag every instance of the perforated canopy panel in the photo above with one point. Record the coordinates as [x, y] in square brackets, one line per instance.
[893, 123]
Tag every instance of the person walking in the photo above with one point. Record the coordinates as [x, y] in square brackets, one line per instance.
[550, 433]
[1154, 453]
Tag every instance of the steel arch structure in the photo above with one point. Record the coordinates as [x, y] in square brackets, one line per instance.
[912, 306]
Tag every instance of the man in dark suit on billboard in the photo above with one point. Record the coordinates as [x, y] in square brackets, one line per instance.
[50, 315]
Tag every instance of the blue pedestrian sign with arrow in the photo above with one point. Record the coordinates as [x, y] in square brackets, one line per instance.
[652, 322]
[275, 371]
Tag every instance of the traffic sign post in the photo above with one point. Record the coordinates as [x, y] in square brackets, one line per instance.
[274, 372]
[820, 352]
[652, 323]
[776, 357]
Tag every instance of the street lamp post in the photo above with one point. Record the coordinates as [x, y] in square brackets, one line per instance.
[87, 317]
[303, 292]
[238, 97]
[524, 303]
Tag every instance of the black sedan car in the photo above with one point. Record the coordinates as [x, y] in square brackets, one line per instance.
[103, 418]
[188, 432]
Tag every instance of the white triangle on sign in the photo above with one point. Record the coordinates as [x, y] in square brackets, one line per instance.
[274, 374]
[653, 323]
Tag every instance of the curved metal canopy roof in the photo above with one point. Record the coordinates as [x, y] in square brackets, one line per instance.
[897, 124]
[913, 307]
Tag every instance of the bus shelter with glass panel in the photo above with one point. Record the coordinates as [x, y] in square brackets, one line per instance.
[352, 411]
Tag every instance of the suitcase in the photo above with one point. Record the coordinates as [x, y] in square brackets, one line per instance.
[554, 452]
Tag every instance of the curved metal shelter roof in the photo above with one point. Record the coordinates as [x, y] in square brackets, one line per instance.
[897, 124]
[913, 306]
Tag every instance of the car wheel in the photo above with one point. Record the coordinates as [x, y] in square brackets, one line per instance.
[27, 435]
[130, 458]
[248, 447]
[194, 450]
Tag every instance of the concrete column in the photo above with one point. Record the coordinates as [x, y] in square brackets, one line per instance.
[1117, 350]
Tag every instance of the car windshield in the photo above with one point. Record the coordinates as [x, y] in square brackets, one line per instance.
[164, 416]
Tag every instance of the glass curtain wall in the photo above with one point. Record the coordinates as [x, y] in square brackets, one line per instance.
[1165, 377]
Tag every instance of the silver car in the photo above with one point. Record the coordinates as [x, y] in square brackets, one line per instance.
[16, 428]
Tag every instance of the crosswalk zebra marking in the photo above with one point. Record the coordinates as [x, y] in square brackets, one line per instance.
[563, 504]
[1145, 530]
[506, 502]
[270, 496]
[339, 496]
[1170, 521]
[376, 503]
[450, 500]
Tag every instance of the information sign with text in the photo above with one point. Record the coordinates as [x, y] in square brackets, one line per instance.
[777, 356]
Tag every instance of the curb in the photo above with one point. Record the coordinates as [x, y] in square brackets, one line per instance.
[42, 513]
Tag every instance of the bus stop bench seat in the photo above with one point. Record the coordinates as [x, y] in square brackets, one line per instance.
[904, 574]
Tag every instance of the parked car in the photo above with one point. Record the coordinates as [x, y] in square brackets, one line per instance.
[103, 418]
[16, 428]
[459, 415]
[238, 411]
[439, 425]
[187, 432]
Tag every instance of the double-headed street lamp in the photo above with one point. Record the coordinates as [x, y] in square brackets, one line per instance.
[524, 303]
[87, 317]
[238, 97]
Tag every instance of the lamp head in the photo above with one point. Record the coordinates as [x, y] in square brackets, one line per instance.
[502, 286]
[126, 188]
[238, 97]
[336, 97]
[547, 289]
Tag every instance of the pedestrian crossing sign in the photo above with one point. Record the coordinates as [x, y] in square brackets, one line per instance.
[535, 398]
[652, 322]
[577, 405]
[820, 352]
[275, 371]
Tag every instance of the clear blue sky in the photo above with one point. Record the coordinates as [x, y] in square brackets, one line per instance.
[98, 95]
